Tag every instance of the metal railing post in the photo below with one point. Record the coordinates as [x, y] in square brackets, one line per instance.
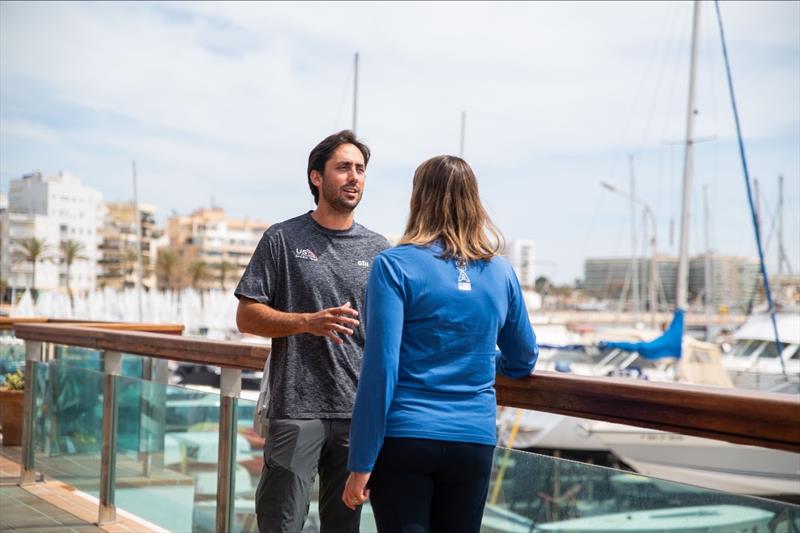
[112, 366]
[152, 414]
[230, 388]
[33, 354]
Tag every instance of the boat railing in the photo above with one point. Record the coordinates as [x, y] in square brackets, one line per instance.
[738, 416]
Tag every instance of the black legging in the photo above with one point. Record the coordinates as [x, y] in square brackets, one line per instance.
[430, 486]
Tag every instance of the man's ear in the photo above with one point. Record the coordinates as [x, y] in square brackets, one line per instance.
[316, 178]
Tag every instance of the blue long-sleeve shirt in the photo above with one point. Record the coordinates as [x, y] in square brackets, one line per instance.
[430, 357]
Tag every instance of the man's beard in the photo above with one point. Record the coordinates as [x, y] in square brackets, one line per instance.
[337, 200]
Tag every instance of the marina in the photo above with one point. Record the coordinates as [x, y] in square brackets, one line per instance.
[666, 395]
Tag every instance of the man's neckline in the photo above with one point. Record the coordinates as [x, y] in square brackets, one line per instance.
[325, 229]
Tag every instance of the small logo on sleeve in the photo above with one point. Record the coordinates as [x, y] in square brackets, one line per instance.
[305, 253]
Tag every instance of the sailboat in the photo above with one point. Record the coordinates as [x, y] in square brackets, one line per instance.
[705, 462]
[660, 454]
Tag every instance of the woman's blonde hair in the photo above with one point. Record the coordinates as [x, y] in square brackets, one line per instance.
[446, 206]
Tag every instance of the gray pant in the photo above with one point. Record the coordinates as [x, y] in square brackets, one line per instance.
[295, 450]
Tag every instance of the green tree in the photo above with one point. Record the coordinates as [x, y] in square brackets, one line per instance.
[128, 260]
[71, 251]
[224, 269]
[198, 272]
[542, 285]
[32, 251]
[168, 266]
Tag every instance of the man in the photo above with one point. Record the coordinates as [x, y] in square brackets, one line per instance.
[303, 288]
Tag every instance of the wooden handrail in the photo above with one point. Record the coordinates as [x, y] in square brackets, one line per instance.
[7, 323]
[11, 322]
[734, 415]
[159, 345]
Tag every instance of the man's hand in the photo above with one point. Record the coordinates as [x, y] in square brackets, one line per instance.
[332, 321]
[260, 319]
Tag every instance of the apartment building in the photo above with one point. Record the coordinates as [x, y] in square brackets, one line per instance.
[210, 237]
[733, 280]
[118, 257]
[54, 209]
[18, 273]
[520, 253]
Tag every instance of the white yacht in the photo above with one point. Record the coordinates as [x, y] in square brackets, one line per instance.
[702, 462]
[753, 361]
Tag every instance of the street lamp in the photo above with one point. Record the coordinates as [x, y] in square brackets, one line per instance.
[653, 244]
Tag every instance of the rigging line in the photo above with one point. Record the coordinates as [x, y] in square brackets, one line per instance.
[671, 104]
[623, 134]
[770, 233]
[347, 83]
[778, 345]
[659, 77]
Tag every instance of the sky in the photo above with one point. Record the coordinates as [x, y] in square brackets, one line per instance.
[222, 102]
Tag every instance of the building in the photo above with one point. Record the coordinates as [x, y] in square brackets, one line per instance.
[520, 253]
[16, 228]
[785, 289]
[118, 259]
[57, 209]
[610, 279]
[733, 281]
[220, 244]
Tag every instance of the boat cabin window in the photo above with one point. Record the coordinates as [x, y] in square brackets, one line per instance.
[769, 351]
[745, 348]
[793, 352]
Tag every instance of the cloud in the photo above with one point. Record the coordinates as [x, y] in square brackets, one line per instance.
[225, 99]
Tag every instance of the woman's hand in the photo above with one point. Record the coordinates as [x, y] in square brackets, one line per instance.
[355, 490]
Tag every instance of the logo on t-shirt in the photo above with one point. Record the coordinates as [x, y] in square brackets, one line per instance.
[305, 253]
[363, 263]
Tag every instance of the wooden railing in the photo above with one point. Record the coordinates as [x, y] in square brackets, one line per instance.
[7, 323]
[759, 419]
[746, 417]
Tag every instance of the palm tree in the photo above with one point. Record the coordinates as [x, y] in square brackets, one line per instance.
[167, 267]
[198, 272]
[32, 251]
[223, 269]
[129, 260]
[71, 251]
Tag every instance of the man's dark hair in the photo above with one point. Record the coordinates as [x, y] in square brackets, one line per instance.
[324, 150]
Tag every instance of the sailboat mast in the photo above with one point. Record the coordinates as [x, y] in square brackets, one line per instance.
[707, 264]
[355, 91]
[634, 260]
[682, 297]
[782, 259]
[137, 225]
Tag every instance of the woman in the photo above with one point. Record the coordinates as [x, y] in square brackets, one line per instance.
[438, 305]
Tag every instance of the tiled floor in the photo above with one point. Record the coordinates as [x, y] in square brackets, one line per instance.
[22, 511]
[50, 506]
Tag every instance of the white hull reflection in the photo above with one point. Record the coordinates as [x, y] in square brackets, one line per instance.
[703, 462]
[700, 519]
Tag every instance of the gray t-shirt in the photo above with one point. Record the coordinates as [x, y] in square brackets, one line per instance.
[302, 267]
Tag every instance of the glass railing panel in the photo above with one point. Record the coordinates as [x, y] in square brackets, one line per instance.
[538, 493]
[173, 457]
[12, 352]
[248, 463]
[91, 359]
[78, 357]
[68, 425]
[167, 454]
